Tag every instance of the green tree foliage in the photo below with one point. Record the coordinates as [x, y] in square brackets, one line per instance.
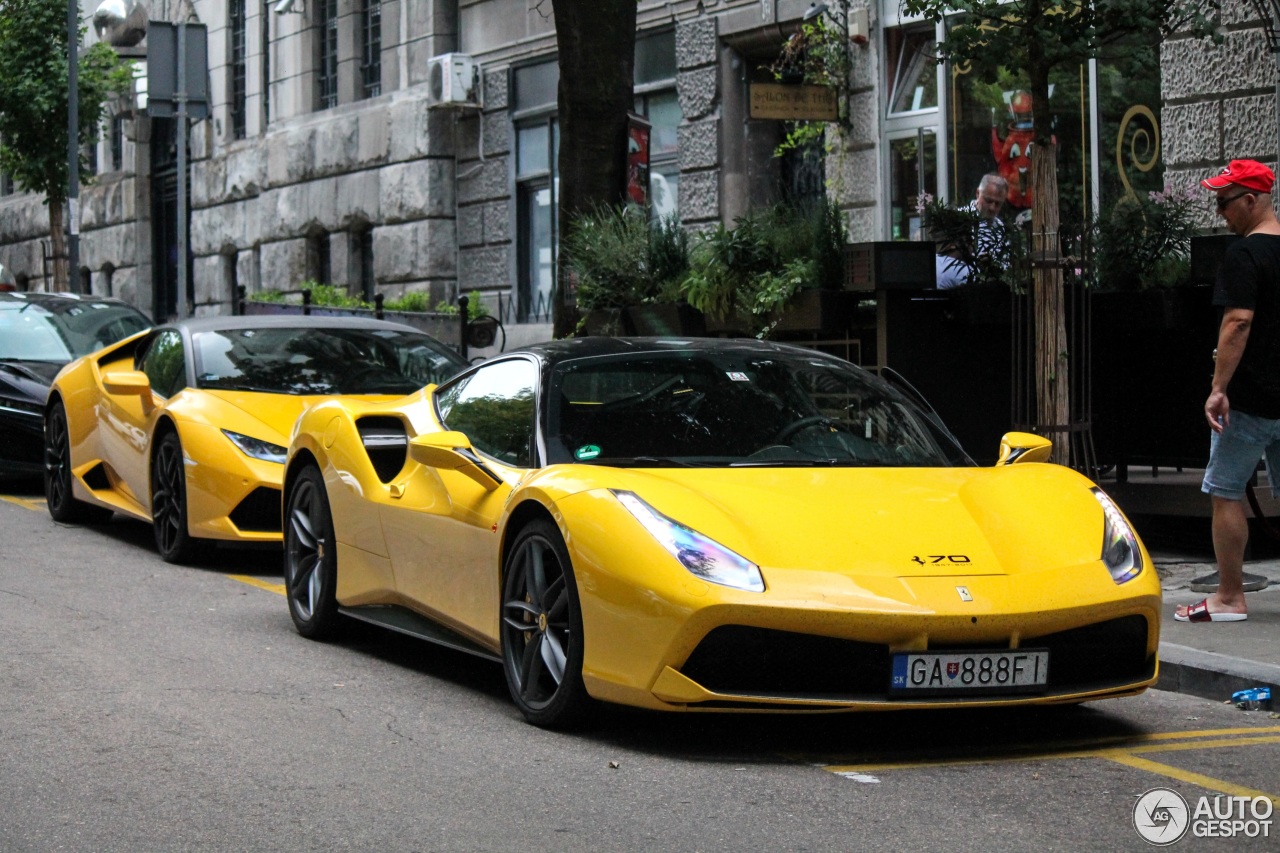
[33, 101]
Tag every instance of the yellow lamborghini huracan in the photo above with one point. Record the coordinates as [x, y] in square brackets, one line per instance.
[186, 426]
[713, 525]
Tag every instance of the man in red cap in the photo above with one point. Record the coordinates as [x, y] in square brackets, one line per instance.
[1245, 424]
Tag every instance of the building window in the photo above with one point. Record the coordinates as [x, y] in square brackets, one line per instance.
[236, 36]
[912, 68]
[364, 250]
[267, 8]
[327, 66]
[371, 39]
[537, 203]
[319, 266]
[655, 87]
[913, 127]
[117, 143]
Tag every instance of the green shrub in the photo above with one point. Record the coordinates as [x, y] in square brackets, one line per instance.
[1145, 242]
[331, 296]
[770, 255]
[413, 300]
[273, 296]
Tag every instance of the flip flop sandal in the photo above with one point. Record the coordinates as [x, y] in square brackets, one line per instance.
[1200, 613]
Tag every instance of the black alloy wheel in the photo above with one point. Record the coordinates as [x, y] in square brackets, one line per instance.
[61, 501]
[310, 557]
[169, 501]
[542, 648]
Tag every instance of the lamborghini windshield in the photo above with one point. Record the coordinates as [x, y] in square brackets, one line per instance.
[707, 408]
[321, 360]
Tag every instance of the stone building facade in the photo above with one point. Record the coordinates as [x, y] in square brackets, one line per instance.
[326, 157]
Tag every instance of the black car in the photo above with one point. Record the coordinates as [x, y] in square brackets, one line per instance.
[39, 334]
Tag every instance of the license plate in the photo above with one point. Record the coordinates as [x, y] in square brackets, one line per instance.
[1012, 671]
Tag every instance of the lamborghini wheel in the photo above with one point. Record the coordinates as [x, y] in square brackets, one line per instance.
[169, 501]
[310, 557]
[62, 503]
[542, 648]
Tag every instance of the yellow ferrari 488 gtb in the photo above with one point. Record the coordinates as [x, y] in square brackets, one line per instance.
[186, 426]
[713, 525]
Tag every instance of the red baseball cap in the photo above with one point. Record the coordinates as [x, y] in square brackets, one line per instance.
[1249, 174]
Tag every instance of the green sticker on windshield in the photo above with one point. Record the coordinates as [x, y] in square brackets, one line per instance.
[585, 452]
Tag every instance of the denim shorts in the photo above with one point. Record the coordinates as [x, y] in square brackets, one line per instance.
[1234, 455]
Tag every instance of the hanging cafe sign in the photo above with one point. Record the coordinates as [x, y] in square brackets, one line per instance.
[792, 102]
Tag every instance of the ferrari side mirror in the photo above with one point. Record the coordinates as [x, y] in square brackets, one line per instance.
[1024, 447]
[126, 382]
[452, 451]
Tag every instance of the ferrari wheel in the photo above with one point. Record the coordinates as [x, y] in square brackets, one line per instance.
[62, 503]
[542, 630]
[310, 557]
[169, 501]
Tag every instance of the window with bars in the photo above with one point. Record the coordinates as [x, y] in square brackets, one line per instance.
[236, 23]
[117, 143]
[327, 67]
[267, 8]
[371, 39]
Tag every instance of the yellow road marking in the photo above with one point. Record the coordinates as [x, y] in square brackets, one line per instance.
[1129, 755]
[1192, 778]
[1065, 748]
[277, 588]
[36, 504]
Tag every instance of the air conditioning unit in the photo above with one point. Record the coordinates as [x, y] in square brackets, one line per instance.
[454, 80]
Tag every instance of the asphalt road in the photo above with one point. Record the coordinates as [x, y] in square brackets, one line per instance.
[150, 707]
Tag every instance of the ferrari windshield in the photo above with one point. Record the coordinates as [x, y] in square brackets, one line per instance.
[62, 330]
[709, 408]
[321, 360]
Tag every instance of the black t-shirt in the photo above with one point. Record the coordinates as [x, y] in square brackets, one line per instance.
[1250, 278]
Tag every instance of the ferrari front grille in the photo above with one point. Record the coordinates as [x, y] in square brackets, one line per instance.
[259, 512]
[738, 660]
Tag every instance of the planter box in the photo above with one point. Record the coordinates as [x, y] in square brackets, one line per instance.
[667, 320]
[605, 322]
[890, 265]
[824, 311]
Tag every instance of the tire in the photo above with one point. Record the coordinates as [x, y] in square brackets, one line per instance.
[59, 498]
[541, 630]
[311, 558]
[169, 501]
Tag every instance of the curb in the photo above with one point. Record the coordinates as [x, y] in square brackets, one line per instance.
[1210, 675]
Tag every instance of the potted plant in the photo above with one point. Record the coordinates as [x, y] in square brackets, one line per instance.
[778, 269]
[628, 271]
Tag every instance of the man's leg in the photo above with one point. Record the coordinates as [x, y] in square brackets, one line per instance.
[1230, 535]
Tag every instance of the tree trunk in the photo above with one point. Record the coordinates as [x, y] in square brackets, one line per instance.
[58, 246]
[1053, 401]
[596, 40]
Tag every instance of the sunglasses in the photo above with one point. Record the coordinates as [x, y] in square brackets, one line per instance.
[1223, 201]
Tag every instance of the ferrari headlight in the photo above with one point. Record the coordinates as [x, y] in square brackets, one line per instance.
[1120, 550]
[257, 448]
[702, 556]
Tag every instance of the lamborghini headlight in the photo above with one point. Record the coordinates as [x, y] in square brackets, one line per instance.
[702, 556]
[1120, 550]
[257, 448]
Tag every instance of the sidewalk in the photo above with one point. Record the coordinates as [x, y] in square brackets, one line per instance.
[1213, 660]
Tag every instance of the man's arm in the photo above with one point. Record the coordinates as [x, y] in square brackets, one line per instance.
[1233, 334]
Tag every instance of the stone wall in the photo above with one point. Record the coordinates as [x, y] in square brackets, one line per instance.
[1219, 101]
